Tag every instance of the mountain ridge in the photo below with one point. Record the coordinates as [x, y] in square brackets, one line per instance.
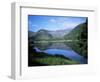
[54, 34]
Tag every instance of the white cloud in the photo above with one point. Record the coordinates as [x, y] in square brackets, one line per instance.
[32, 25]
[52, 20]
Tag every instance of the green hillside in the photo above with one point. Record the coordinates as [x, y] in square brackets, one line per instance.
[78, 33]
[42, 35]
[79, 37]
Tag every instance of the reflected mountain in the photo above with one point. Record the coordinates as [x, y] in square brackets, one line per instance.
[52, 45]
[60, 49]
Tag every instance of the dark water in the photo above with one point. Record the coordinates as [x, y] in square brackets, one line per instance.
[60, 49]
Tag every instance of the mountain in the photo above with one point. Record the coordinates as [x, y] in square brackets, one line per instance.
[78, 33]
[59, 33]
[42, 35]
[46, 34]
[31, 34]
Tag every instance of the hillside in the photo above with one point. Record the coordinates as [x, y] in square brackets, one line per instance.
[79, 39]
[78, 33]
[59, 33]
[31, 34]
[42, 35]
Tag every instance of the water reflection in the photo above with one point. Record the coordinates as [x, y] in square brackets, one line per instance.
[61, 49]
[52, 45]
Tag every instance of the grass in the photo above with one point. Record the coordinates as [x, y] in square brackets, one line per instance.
[55, 61]
[42, 59]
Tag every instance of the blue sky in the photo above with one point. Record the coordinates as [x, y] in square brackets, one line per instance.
[37, 22]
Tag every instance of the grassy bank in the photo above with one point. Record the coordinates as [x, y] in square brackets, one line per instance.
[43, 59]
[56, 61]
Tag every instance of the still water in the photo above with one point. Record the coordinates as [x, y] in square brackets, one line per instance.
[60, 49]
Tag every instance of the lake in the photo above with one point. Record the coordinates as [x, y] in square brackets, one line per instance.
[60, 48]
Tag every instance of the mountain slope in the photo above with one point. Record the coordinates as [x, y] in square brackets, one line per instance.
[42, 35]
[79, 39]
[59, 33]
[31, 34]
[78, 33]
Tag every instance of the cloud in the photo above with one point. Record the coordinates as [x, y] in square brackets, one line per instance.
[52, 20]
[31, 24]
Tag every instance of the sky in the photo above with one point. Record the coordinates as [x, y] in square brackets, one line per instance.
[53, 23]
